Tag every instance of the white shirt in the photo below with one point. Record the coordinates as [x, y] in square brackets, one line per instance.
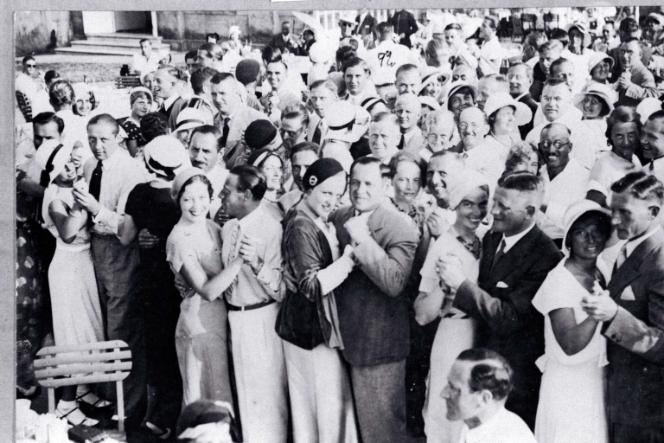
[491, 57]
[486, 160]
[504, 427]
[120, 174]
[144, 65]
[386, 57]
[512, 240]
[609, 168]
[217, 176]
[569, 186]
[35, 91]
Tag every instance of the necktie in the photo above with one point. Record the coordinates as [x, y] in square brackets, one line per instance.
[318, 133]
[499, 253]
[224, 132]
[234, 241]
[402, 141]
[622, 256]
[95, 181]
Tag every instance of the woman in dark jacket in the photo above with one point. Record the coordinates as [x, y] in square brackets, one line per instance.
[319, 388]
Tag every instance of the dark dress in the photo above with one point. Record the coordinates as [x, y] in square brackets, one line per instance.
[153, 208]
[30, 287]
[132, 130]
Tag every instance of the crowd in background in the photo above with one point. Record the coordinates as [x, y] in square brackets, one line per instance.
[398, 231]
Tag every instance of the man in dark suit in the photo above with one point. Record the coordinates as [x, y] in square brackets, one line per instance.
[373, 311]
[516, 258]
[365, 23]
[633, 313]
[520, 77]
[404, 25]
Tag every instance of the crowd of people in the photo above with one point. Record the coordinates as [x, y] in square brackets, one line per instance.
[403, 240]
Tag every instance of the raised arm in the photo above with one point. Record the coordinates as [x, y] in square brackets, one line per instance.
[67, 221]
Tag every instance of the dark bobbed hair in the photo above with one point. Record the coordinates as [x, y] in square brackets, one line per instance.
[250, 178]
[194, 179]
[44, 118]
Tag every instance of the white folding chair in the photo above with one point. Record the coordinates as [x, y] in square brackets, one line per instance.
[101, 362]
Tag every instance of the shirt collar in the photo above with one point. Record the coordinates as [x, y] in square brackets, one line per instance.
[248, 220]
[170, 100]
[512, 240]
[631, 245]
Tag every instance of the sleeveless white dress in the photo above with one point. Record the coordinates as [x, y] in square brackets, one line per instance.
[571, 403]
[77, 317]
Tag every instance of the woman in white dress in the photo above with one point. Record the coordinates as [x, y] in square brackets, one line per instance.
[76, 311]
[571, 402]
[193, 250]
[469, 194]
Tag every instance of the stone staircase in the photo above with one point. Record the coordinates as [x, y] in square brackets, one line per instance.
[117, 43]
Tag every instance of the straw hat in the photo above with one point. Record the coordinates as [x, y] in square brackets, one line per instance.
[597, 57]
[583, 29]
[604, 92]
[190, 118]
[522, 112]
[458, 85]
[430, 74]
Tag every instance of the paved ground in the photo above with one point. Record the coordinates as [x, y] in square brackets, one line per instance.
[90, 68]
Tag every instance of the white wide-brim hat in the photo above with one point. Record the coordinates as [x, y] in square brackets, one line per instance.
[522, 113]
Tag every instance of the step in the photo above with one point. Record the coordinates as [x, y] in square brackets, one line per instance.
[122, 35]
[95, 51]
[116, 44]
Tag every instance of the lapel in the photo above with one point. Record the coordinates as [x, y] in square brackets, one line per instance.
[489, 248]
[377, 221]
[631, 268]
[513, 260]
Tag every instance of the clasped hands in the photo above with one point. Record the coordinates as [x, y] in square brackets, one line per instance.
[450, 270]
[600, 307]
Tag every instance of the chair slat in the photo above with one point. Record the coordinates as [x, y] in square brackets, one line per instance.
[81, 358]
[112, 344]
[82, 368]
[83, 379]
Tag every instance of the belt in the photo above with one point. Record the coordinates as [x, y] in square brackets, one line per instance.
[455, 315]
[250, 307]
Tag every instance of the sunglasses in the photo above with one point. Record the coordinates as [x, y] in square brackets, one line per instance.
[30, 66]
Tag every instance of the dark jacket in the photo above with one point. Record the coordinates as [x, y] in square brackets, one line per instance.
[501, 301]
[635, 344]
[404, 23]
[373, 310]
[532, 104]
[368, 25]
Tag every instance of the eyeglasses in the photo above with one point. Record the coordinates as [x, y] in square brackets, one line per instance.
[30, 66]
[557, 144]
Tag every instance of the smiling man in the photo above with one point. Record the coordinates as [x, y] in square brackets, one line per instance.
[567, 180]
[652, 143]
[373, 310]
[557, 106]
[478, 386]
[516, 258]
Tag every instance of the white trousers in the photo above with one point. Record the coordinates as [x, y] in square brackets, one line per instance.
[320, 395]
[260, 374]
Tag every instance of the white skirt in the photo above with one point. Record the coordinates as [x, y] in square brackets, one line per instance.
[75, 304]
